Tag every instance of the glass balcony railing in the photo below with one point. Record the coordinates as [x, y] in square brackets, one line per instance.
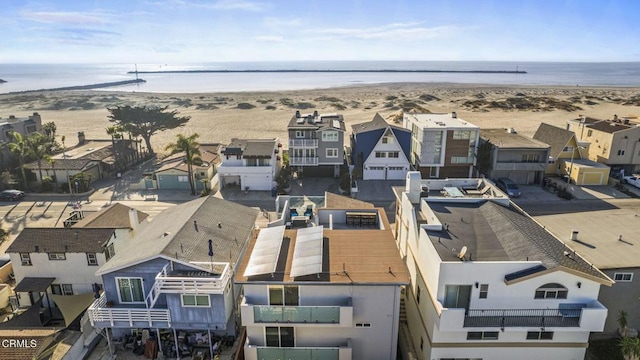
[296, 314]
[275, 353]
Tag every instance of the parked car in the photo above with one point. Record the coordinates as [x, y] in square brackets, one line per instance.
[11, 195]
[632, 180]
[509, 187]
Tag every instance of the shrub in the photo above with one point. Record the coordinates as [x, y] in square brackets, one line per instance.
[270, 107]
[46, 185]
[245, 106]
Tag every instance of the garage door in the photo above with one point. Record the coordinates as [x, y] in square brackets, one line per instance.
[373, 173]
[396, 173]
[257, 182]
[593, 178]
[519, 177]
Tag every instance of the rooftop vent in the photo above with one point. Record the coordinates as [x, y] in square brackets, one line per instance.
[454, 115]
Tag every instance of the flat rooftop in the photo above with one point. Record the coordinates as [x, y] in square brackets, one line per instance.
[445, 120]
[349, 256]
[506, 140]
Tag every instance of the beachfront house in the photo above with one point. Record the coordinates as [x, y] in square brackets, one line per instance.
[442, 145]
[251, 164]
[614, 142]
[23, 125]
[316, 143]
[379, 150]
[487, 281]
[172, 172]
[566, 157]
[502, 153]
[175, 277]
[325, 288]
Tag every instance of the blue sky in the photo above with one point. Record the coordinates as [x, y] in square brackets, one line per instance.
[193, 31]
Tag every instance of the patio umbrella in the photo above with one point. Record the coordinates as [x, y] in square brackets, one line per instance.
[211, 254]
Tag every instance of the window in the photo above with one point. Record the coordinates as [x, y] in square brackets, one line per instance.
[130, 290]
[279, 336]
[567, 149]
[589, 133]
[394, 154]
[623, 277]
[482, 335]
[57, 256]
[62, 289]
[183, 178]
[461, 134]
[284, 295]
[111, 250]
[387, 140]
[25, 258]
[484, 291]
[92, 259]
[530, 158]
[299, 133]
[551, 291]
[30, 129]
[539, 335]
[621, 152]
[329, 136]
[461, 159]
[332, 153]
[67, 289]
[195, 300]
[418, 294]
[363, 325]
[381, 154]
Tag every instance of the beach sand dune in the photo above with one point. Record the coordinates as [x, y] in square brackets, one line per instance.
[218, 117]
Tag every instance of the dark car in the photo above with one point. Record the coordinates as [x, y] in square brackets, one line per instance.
[11, 195]
[509, 187]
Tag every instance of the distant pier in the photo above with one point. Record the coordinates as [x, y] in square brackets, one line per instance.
[329, 71]
[2, 81]
[86, 87]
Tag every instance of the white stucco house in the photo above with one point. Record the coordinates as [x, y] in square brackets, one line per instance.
[487, 281]
[252, 164]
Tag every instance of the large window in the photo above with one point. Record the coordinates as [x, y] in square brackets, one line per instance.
[332, 153]
[484, 291]
[482, 335]
[394, 154]
[279, 336]
[551, 291]
[539, 335]
[195, 300]
[62, 289]
[130, 290]
[461, 134]
[381, 154]
[183, 178]
[530, 158]
[623, 277]
[92, 259]
[57, 256]
[329, 136]
[25, 259]
[284, 295]
[111, 250]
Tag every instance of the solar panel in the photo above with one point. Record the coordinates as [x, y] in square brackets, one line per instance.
[264, 257]
[307, 254]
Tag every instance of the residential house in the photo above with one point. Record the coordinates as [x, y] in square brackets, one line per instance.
[442, 145]
[94, 159]
[566, 159]
[252, 164]
[614, 142]
[329, 289]
[23, 125]
[175, 276]
[57, 261]
[381, 151]
[316, 143]
[173, 173]
[506, 154]
[487, 281]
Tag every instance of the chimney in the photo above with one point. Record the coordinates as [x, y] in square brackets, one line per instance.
[297, 114]
[37, 248]
[615, 117]
[81, 138]
[315, 113]
[12, 116]
[454, 115]
[133, 219]
[574, 235]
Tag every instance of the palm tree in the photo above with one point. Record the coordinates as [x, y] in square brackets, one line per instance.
[116, 133]
[191, 150]
[623, 321]
[39, 146]
[630, 347]
[19, 148]
[50, 129]
[64, 156]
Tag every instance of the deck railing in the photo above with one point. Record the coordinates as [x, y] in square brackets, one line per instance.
[99, 313]
[569, 317]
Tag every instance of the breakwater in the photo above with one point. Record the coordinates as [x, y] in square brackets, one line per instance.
[86, 87]
[330, 71]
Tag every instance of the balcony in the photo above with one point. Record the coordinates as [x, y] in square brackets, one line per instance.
[253, 315]
[303, 143]
[302, 161]
[102, 315]
[213, 281]
[252, 352]
[588, 317]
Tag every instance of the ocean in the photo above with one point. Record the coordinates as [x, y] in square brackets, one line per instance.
[23, 77]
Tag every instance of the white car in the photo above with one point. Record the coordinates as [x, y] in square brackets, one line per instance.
[632, 180]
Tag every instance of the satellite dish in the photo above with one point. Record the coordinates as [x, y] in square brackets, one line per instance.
[462, 252]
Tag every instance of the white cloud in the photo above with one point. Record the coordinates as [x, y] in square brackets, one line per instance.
[396, 31]
[278, 22]
[66, 17]
[238, 5]
[269, 38]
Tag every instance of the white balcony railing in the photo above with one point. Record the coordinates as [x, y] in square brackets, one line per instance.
[335, 316]
[342, 352]
[299, 161]
[303, 143]
[102, 315]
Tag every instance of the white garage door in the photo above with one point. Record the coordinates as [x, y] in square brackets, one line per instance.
[373, 173]
[396, 173]
[256, 182]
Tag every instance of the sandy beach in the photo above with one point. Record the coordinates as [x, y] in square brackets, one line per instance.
[217, 117]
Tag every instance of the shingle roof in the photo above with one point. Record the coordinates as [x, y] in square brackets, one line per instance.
[172, 234]
[208, 154]
[609, 126]
[41, 337]
[492, 232]
[377, 123]
[64, 240]
[251, 148]
[63, 164]
[116, 216]
[556, 137]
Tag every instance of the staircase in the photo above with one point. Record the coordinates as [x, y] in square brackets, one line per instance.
[403, 311]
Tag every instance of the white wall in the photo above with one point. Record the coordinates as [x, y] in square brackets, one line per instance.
[386, 162]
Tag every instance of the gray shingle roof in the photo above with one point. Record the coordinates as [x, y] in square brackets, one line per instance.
[609, 126]
[116, 216]
[65, 240]
[172, 234]
[556, 137]
[252, 148]
[63, 164]
[378, 122]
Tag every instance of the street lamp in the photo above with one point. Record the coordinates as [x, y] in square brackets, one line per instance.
[573, 153]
